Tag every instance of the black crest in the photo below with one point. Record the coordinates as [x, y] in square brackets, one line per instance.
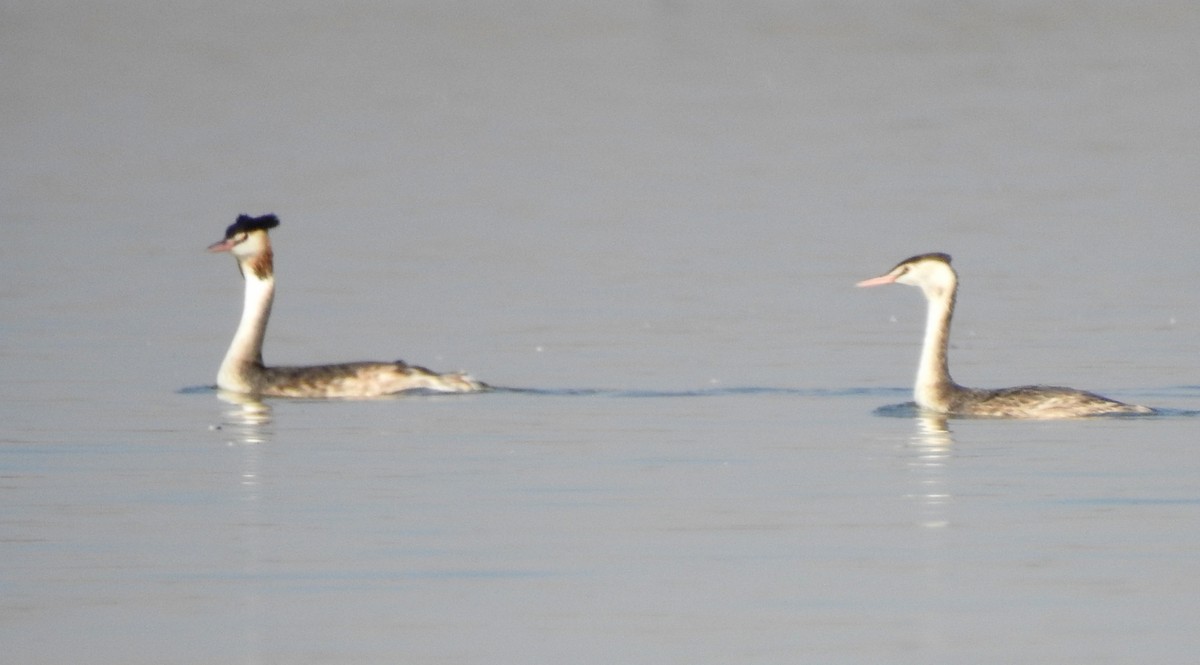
[932, 256]
[246, 223]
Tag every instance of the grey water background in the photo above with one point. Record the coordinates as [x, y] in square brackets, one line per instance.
[652, 214]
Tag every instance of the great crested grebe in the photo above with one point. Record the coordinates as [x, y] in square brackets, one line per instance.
[936, 391]
[242, 370]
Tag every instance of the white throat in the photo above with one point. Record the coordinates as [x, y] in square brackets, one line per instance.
[933, 372]
[246, 348]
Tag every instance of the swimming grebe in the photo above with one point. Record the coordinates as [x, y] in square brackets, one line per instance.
[242, 370]
[936, 391]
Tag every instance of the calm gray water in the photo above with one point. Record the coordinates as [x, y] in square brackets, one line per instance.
[652, 214]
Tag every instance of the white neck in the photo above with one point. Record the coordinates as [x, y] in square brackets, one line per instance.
[933, 372]
[245, 352]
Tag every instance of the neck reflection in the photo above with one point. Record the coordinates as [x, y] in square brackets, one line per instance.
[930, 448]
[249, 421]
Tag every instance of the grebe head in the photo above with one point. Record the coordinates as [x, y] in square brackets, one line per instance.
[246, 237]
[929, 272]
[247, 240]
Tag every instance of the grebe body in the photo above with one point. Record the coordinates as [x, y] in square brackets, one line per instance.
[243, 371]
[935, 391]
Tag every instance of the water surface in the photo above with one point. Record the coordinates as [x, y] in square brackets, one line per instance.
[650, 216]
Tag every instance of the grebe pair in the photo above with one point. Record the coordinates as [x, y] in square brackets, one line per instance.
[935, 391]
[242, 370]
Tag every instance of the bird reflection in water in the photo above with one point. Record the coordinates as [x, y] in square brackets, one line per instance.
[248, 418]
[930, 446]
